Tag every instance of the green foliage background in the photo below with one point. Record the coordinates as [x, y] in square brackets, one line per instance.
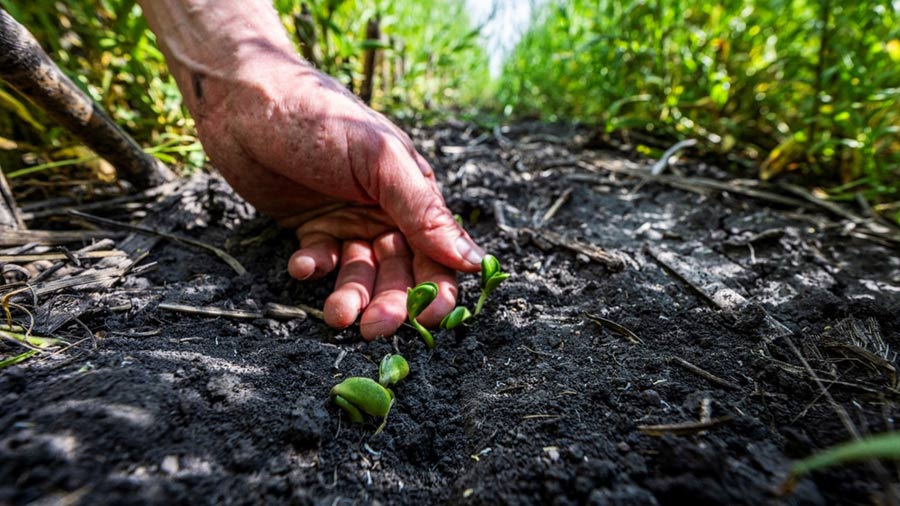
[809, 84]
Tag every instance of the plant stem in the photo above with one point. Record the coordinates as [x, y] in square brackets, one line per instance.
[824, 41]
[355, 415]
[481, 301]
[384, 420]
[426, 336]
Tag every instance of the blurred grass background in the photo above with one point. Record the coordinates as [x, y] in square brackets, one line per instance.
[807, 87]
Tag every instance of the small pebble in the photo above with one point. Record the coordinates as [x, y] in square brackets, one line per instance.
[170, 465]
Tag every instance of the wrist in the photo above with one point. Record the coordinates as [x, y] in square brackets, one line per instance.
[210, 44]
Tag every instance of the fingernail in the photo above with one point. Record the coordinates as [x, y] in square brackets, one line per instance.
[468, 250]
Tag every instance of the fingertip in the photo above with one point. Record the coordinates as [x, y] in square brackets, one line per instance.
[300, 266]
[341, 309]
[318, 255]
[383, 317]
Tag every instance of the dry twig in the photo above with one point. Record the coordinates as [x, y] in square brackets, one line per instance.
[615, 327]
[683, 429]
[543, 237]
[551, 212]
[59, 256]
[228, 259]
[271, 310]
[211, 311]
[52, 237]
[712, 378]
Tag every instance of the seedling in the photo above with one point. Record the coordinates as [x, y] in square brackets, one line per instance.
[491, 277]
[879, 446]
[393, 368]
[456, 317]
[417, 299]
[362, 395]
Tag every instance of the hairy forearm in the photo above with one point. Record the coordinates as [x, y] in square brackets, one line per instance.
[215, 40]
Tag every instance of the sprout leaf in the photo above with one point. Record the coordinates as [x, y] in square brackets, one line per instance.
[456, 317]
[393, 368]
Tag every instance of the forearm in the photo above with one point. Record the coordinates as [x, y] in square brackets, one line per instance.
[215, 41]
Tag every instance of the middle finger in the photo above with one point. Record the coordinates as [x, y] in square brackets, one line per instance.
[353, 288]
[388, 308]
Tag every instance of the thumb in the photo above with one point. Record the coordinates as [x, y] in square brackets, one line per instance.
[415, 204]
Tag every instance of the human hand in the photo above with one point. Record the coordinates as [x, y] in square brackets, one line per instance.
[302, 149]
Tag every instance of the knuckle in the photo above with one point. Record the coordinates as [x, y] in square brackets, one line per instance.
[433, 216]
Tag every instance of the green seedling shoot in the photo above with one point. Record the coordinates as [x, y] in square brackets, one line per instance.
[417, 299]
[879, 446]
[363, 395]
[491, 277]
[393, 368]
[456, 317]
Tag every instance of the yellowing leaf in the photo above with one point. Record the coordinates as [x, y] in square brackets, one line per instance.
[893, 49]
[13, 105]
[8, 144]
[781, 158]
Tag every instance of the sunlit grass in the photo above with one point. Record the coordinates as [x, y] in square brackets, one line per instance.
[803, 85]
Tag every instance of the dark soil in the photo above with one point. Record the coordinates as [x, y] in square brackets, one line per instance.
[531, 403]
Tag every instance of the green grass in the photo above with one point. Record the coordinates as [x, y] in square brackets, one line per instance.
[792, 84]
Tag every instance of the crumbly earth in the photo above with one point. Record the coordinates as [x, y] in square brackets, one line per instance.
[530, 403]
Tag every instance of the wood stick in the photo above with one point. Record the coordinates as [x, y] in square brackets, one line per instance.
[28, 69]
[683, 429]
[271, 310]
[663, 161]
[318, 314]
[103, 204]
[79, 280]
[551, 212]
[595, 253]
[603, 322]
[700, 184]
[373, 34]
[15, 259]
[283, 312]
[715, 292]
[228, 259]
[52, 237]
[46, 273]
[10, 217]
[211, 311]
[712, 378]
